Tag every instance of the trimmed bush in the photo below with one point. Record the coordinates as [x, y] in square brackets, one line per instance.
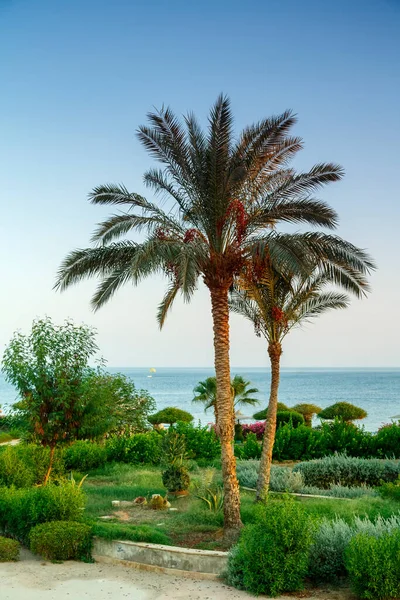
[170, 415]
[62, 540]
[22, 509]
[272, 555]
[344, 411]
[135, 449]
[9, 550]
[289, 416]
[347, 471]
[373, 565]
[261, 415]
[308, 411]
[85, 456]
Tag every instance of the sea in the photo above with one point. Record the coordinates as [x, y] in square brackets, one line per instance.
[375, 390]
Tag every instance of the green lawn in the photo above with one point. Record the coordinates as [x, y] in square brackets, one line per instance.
[192, 525]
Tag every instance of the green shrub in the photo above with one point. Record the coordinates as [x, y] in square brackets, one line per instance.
[25, 465]
[289, 416]
[84, 456]
[283, 479]
[176, 478]
[331, 538]
[62, 540]
[170, 415]
[22, 509]
[9, 549]
[272, 555]
[340, 469]
[135, 449]
[387, 441]
[390, 490]
[250, 449]
[201, 442]
[344, 411]
[261, 415]
[373, 565]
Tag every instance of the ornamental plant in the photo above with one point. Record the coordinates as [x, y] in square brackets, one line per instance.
[308, 411]
[343, 411]
[170, 415]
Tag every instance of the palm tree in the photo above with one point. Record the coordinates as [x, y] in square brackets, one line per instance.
[275, 304]
[206, 392]
[223, 197]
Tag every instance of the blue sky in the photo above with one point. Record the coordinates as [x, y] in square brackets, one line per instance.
[78, 77]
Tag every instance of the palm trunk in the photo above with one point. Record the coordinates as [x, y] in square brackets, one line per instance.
[225, 422]
[274, 351]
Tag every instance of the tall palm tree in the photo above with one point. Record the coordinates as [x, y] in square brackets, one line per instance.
[206, 392]
[275, 304]
[225, 196]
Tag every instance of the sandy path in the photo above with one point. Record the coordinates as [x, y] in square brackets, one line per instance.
[33, 579]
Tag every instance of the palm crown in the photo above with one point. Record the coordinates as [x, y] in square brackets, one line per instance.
[278, 303]
[227, 197]
[206, 392]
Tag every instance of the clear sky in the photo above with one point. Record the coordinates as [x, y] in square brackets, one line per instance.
[78, 76]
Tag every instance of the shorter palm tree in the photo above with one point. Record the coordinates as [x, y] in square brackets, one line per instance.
[206, 392]
[276, 304]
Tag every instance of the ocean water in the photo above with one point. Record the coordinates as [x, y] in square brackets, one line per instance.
[375, 390]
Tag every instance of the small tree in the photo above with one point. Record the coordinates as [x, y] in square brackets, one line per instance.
[170, 415]
[262, 414]
[344, 411]
[206, 392]
[48, 367]
[308, 411]
[114, 405]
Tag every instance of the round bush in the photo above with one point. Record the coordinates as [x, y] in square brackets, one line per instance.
[170, 415]
[289, 416]
[344, 411]
[373, 565]
[272, 555]
[62, 540]
[176, 478]
[262, 414]
[9, 549]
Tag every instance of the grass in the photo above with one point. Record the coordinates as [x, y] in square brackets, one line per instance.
[192, 525]
[5, 437]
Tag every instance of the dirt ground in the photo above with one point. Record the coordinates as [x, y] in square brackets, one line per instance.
[33, 579]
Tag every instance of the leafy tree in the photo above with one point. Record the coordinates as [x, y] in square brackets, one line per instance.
[226, 195]
[343, 411]
[207, 393]
[170, 415]
[48, 368]
[275, 303]
[114, 405]
[308, 411]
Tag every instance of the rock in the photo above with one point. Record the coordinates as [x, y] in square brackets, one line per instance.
[141, 500]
